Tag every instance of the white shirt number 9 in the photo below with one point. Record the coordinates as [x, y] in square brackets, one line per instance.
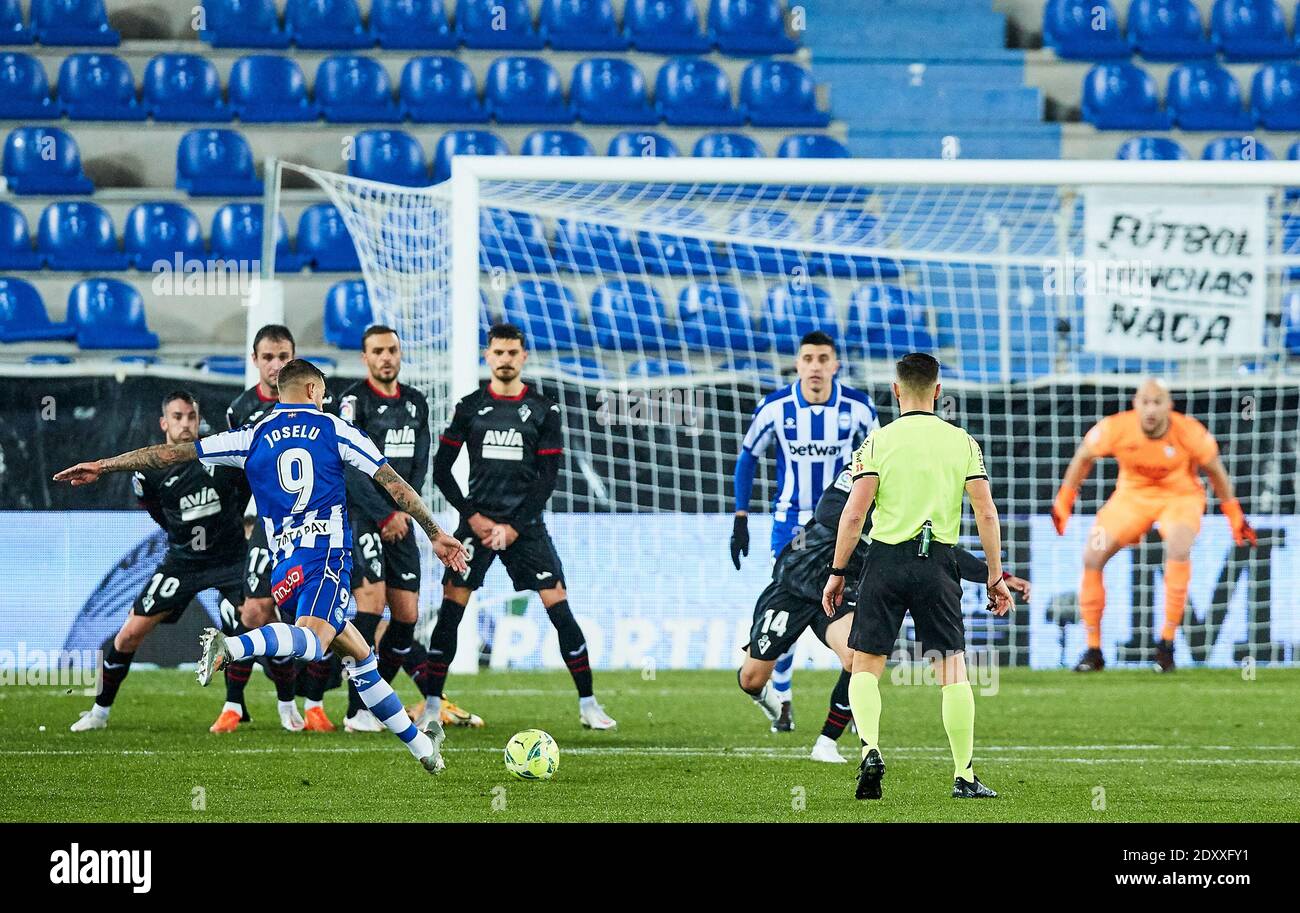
[295, 469]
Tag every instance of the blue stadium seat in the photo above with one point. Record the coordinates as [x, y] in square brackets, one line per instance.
[391, 156]
[657, 367]
[610, 90]
[643, 144]
[1250, 30]
[324, 242]
[525, 90]
[717, 316]
[1236, 149]
[24, 88]
[1205, 96]
[216, 163]
[1121, 96]
[162, 231]
[13, 30]
[44, 160]
[851, 226]
[811, 146]
[237, 235]
[583, 366]
[183, 87]
[232, 365]
[886, 321]
[513, 240]
[355, 90]
[504, 24]
[1068, 30]
[555, 142]
[1152, 148]
[749, 27]
[16, 240]
[109, 314]
[765, 259]
[98, 87]
[629, 315]
[666, 253]
[437, 90]
[590, 247]
[691, 91]
[326, 25]
[72, 22]
[778, 93]
[1168, 30]
[727, 146]
[347, 314]
[664, 26]
[269, 88]
[243, 24]
[581, 25]
[23, 317]
[1275, 96]
[1291, 312]
[548, 314]
[794, 309]
[463, 142]
[411, 25]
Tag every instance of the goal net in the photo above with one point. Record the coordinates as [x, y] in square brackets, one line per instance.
[664, 298]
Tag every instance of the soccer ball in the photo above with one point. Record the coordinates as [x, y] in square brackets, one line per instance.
[532, 755]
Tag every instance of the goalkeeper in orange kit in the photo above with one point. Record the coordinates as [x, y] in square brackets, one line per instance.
[1160, 453]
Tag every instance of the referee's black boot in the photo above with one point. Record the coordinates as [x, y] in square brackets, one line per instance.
[964, 789]
[1091, 661]
[870, 772]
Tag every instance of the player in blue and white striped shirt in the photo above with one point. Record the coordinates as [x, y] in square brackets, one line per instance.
[815, 423]
[294, 458]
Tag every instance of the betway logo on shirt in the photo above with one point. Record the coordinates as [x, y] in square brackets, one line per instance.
[815, 448]
[399, 442]
[503, 445]
[203, 503]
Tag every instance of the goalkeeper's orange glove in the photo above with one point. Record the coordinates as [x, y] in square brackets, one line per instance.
[1062, 508]
[1242, 534]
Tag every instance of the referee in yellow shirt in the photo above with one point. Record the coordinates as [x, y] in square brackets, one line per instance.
[915, 469]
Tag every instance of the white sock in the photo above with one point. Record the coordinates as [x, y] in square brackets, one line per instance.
[308, 703]
[587, 703]
[286, 705]
[231, 705]
[823, 739]
[100, 710]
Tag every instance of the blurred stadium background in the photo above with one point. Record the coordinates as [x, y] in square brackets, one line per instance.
[137, 134]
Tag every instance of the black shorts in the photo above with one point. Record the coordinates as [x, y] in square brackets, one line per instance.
[395, 564]
[895, 580]
[780, 617]
[174, 584]
[257, 564]
[531, 561]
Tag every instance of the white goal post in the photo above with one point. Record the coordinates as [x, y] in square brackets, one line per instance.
[663, 298]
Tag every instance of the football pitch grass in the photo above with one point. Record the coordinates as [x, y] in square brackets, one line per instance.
[1126, 745]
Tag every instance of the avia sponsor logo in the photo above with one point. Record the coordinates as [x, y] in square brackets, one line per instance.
[505, 444]
[815, 448]
[308, 529]
[77, 866]
[204, 503]
[399, 442]
[284, 589]
[310, 432]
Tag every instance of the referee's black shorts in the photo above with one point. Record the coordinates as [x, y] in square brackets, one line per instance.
[896, 580]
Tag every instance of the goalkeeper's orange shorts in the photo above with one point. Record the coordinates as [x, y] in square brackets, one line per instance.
[1127, 516]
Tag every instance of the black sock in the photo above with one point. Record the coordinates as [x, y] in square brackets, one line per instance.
[316, 677]
[573, 646]
[838, 715]
[113, 670]
[284, 673]
[416, 665]
[746, 690]
[366, 624]
[442, 645]
[237, 674]
[395, 647]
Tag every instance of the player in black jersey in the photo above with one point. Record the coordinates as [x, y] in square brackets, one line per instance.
[514, 438]
[201, 510]
[792, 602]
[273, 348]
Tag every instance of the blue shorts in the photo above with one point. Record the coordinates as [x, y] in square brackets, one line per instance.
[315, 583]
[782, 533]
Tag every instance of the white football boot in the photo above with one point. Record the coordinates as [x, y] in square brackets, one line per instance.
[290, 718]
[824, 750]
[363, 721]
[768, 702]
[213, 644]
[593, 716]
[90, 720]
[433, 762]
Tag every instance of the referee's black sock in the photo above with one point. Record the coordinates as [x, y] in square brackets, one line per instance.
[839, 714]
[442, 646]
[366, 623]
[394, 647]
[116, 665]
[573, 646]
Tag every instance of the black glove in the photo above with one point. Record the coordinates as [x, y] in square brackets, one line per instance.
[740, 539]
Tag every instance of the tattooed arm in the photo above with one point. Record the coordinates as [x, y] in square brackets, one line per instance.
[449, 551]
[158, 456]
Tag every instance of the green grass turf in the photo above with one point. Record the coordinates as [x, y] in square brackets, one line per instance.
[1201, 745]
